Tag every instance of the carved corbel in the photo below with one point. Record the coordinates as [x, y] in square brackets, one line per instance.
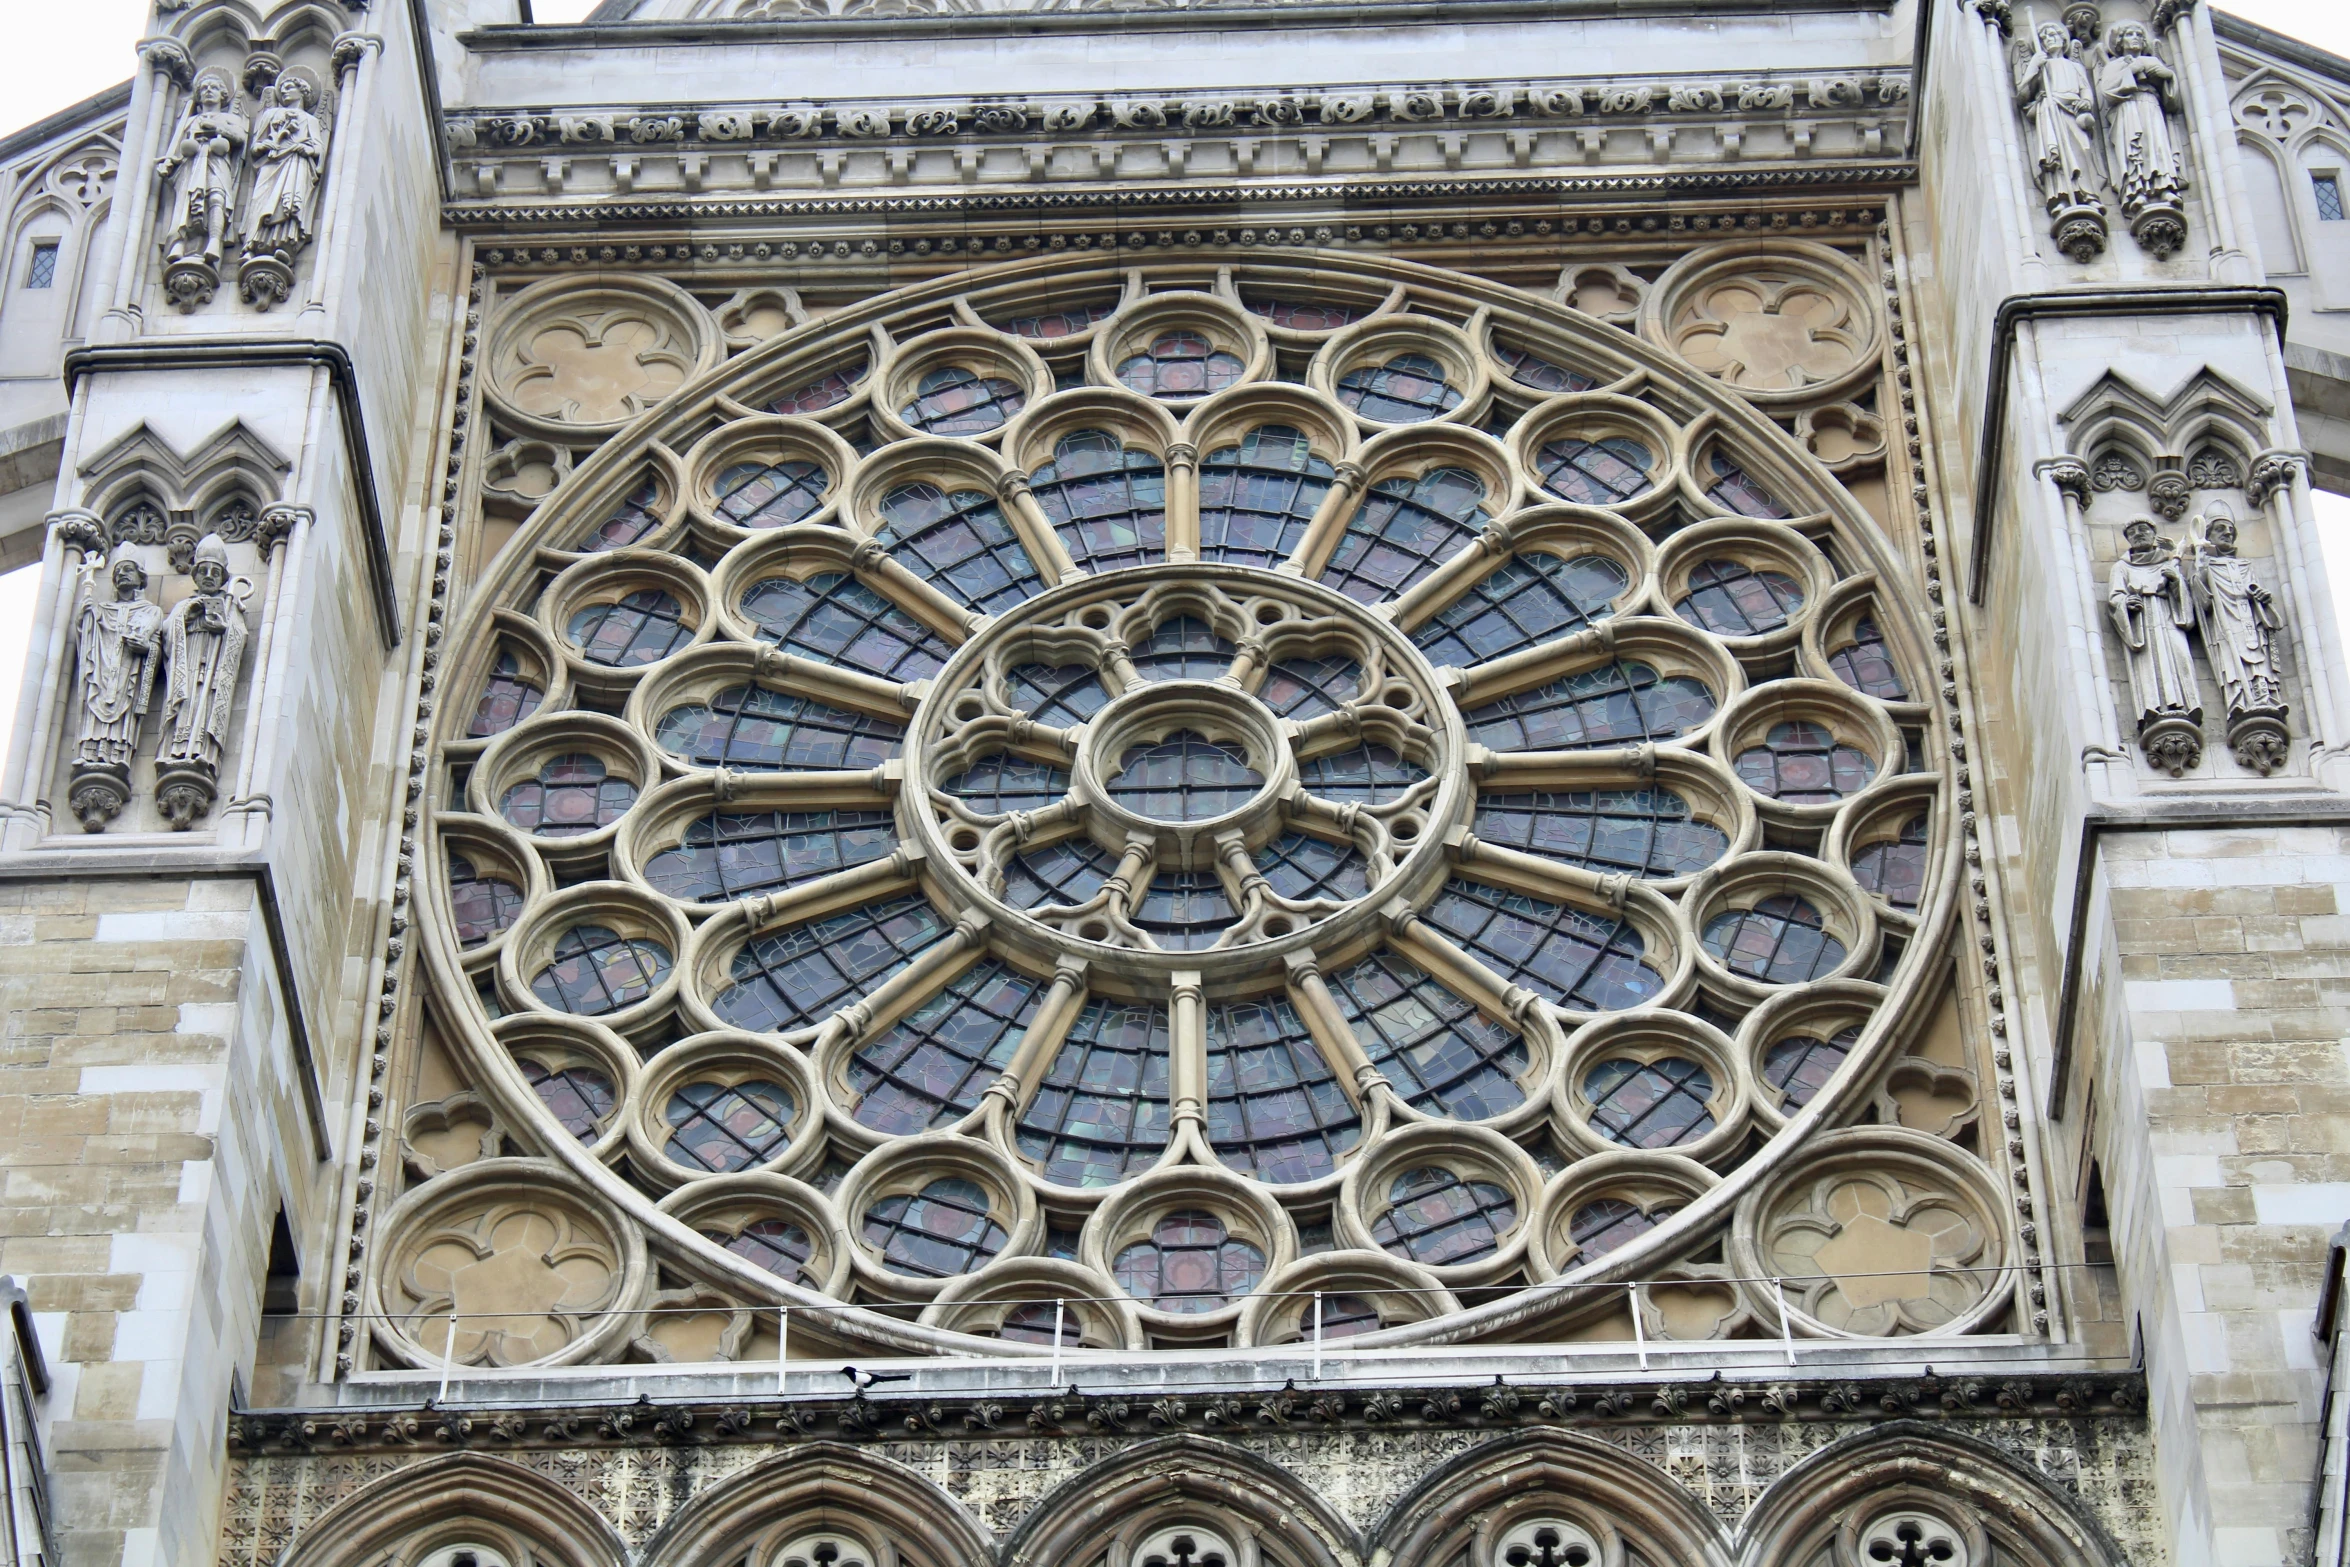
[350, 50]
[2168, 492]
[277, 525]
[77, 529]
[2070, 475]
[166, 58]
[2167, 13]
[2272, 472]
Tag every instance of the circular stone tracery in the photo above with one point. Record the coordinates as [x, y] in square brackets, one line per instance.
[1330, 799]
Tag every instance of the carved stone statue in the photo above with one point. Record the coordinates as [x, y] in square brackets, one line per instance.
[2240, 624]
[289, 151]
[204, 643]
[116, 649]
[2059, 105]
[2138, 93]
[2152, 609]
[199, 170]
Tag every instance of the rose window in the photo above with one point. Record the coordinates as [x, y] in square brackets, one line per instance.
[1133, 804]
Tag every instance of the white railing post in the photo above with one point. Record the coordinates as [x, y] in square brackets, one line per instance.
[1060, 1307]
[1639, 1329]
[782, 1346]
[1786, 1326]
[1317, 1335]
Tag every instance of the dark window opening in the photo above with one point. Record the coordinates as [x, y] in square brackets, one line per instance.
[2096, 1228]
[281, 1286]
[43, 272]
[2328, 188]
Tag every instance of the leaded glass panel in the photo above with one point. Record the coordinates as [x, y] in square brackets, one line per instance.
[1184, 911]
[1800, 1065]
[1606, 1223]
[832, 618]
[1867, 664]
[629, 522]
[571, 795]
[1276, 1111]
[1302, 315]
[1733, 489]
[1066, 873]
[754, 727]
[1101, 1112]
[776, 1246]
[638, 629]
[1185, 648]
[1184, 778]
[1604, 472]
[1302, 868]
[1585, 962]
[1534, 598]
[1107, 502]
[1623, 703]
[1732, 599]
[1180, 365]
[1256, 498]
[1650, 1104]
[1644, 832]
[961, 542]
[1190, 1265]
[594, 970]
[828, 391]
[793, 977]
[726, 1127]
[1802, 763]
[1782, 940]
[484, 905]
[1304, 688]
[1062, 696]
[580, 1097]
[941, 1232]
[1438, 1219]
[739, 854]
[1530, 369]
[1443, 1055]
[957, 401]
[1403, 529]
[1895, 868]
[1406, 390]
[506, 699]
[1366, 775]
[771, 495]
[997, 785]
[931, 1066]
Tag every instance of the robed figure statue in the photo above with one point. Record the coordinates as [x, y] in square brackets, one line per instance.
[2059, 105]
[2138, 93]
[199, 170]
[2240, 622]
[117, 645]
[2152, 609]
[204, 644]
[289, 151]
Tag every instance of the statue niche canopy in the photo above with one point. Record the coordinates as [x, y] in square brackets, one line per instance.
[1169, 805]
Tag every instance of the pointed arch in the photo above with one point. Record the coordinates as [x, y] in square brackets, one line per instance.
[1516, 1477]
[823, 1487]
[2205, 407]
[462, 1498]
[1182, 1478]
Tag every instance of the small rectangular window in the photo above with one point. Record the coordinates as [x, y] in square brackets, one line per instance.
[43, 272]
[2329, 196]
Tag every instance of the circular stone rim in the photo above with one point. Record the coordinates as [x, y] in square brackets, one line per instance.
[1110, 730]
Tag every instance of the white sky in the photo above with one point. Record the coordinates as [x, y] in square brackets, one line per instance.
[57, 55]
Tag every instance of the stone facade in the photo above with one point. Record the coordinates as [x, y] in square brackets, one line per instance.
[1147, 786]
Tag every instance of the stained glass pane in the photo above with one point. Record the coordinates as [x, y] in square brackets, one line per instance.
[930, 1068]
[1534, 598]
[960, 542]
[1650, 1104]
[769, 495]
[1061, 323]
[751, 726]
[1067, 873]
[945, 1230]
[1190, 1264]
[790, 978]
[1185, 778]
[1895, 868]
[825, 392]
[1800, 1065]
[1302, 868]
[1624, 703]
[1101, 1112]
[1605, 1223]
[1406, 390]
[1180, 365]
[1108, 503]
[778, 1246]
[1802, 764]
[725, 1127]
[729, 854]
[1366, 775]
[1529, 369]
[1304, 688]
[1256, 498]
[506, 699]
[1343, 1316]
[1276, 1110]
[595, 970]
[1438, 1219]
[571, 795]
[832, 618]
[1442, 1054]
[1302, 316]
[1587, 962]
[956, 401]
[1734, 489]
[1782, 940]
[644, 626]
[1595, 473]
[1643, 832]
[1732, 599]
[1063, 696]
[483, 905]
[1184, 911]
[1038, 1322]
[629, 522]
[1867, 665]
[1184, 648]
[996, 785]
[1403, 528]
[579, 1097]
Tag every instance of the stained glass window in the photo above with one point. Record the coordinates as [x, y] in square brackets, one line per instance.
[629, 522]
[1623, 703]
[1530, 369]
[1365, 775]
[1302, 867]
[825, 392]
[1438, 1219]
[1107, 502]
[1801, 763]
[1406, 390]
[1275, 1109]
[639, 629]
[769, 495]
[1800, 1065]
[1185, 648]
[1303, 688]
[1343, 1316]
[999, 784]
[1782, 940]
[1185, 778]
[1649, 1104]
[1066, 873]
[1442, 1054]
[722, 1127]
[579, 1097]
[506, 699]
[1184, 911]
[1587, 962]
[1190, 1264]
[594, 970]
[1534, 598]
[1732, 599]
[961, 542]
[957, 401]
[1734, 489]
[1101, 1112]
[793, 977]
[930, 1067]
[1301, 316]
[1403, 528]
[737, 854]
[571, 795]
[1645, 832]
[1063, 696]
[1867, 664]
[1180, 365]
[1256, 498]
[778, 1246]
[1048, 325]
[944, 1230]
[1606, 1223]
[1895, 868]
[1595, 473]
[1037, 1322]
[832, 618]
[483, 904]
[751, 726]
